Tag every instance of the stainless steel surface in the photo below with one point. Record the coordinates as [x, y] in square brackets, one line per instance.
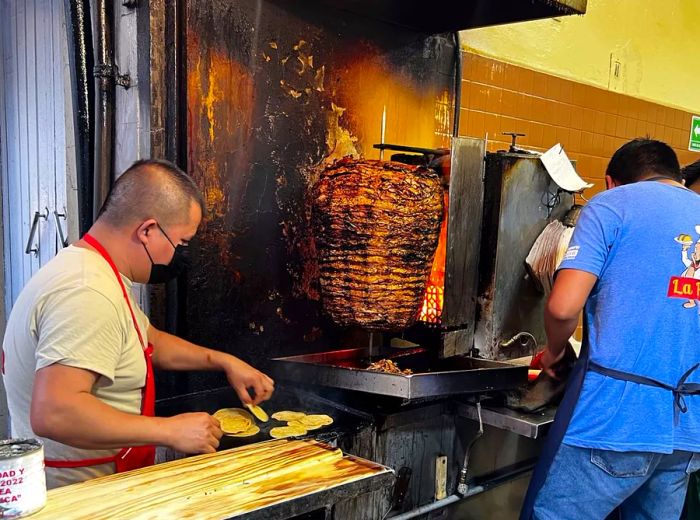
[517, 193]
[431, 378]
[463, 237]
[533, 425]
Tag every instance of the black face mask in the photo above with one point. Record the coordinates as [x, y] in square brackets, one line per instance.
[161, 273]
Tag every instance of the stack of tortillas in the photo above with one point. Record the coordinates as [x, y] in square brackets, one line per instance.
[298, 423]
[547, 253]
[236, 422]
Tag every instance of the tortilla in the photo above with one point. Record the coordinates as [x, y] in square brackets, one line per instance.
[286, 431]
[286, 416]
[233, 420]
[258, 412]
[253, 430]
[316, 421]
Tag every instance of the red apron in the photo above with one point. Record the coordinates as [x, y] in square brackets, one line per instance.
[136, 456]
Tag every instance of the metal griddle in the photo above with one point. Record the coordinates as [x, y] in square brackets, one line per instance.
[345, 419]
[432, 377]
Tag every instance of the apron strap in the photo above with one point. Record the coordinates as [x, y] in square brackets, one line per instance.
[103, 252]
[679, 391]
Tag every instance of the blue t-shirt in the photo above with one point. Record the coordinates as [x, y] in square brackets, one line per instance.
[642, 241]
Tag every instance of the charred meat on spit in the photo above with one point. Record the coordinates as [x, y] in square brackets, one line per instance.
[376, 226]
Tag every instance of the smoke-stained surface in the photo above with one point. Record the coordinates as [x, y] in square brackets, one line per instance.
[273, 92]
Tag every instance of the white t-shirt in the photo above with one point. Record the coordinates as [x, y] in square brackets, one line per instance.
[73, 312]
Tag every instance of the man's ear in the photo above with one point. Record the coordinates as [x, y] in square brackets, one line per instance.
[144, 231]
[610, 183]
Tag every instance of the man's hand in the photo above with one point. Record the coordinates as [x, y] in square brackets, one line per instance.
[548, 360]
[242, 377]
[193, 433]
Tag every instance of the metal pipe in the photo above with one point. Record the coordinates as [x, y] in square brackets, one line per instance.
[488, 484]
[104, 129]
[457, 84]
[462, 485]
[175, 145]
[434, 506]
[80, 56]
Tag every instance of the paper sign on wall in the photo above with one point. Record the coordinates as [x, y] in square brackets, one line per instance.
[560, 169]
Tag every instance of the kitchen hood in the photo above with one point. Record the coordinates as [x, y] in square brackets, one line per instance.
[441, 16]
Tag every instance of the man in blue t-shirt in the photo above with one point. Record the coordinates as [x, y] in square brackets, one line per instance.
[634, 263]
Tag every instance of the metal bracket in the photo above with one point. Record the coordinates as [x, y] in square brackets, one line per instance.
[112, 72]
[35, 223]
[513, 137]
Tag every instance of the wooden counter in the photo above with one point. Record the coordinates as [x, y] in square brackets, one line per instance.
[213, 487]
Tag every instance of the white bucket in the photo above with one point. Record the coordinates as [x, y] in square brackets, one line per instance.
[22, 478]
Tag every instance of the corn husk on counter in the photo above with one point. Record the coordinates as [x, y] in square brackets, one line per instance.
[214, 486]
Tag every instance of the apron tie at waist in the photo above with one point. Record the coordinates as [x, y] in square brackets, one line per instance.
[679, 391]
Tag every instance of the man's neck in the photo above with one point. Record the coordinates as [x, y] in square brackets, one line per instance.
[661, 178]
[113, 241]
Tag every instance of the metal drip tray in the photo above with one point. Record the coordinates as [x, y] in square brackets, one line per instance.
[432, 377]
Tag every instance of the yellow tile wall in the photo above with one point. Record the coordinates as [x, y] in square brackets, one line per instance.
[591, 123]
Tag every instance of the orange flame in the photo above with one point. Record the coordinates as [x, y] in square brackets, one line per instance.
[431, 312]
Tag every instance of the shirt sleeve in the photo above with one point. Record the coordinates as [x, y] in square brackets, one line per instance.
[80, 328]
[596, 231]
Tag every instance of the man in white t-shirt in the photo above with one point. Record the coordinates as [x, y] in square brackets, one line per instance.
[78, 352]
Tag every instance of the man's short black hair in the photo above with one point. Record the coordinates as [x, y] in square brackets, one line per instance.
[151, 188]
[643, 157]
[691, 174]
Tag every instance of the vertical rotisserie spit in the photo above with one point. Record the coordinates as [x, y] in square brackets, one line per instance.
[376, 227]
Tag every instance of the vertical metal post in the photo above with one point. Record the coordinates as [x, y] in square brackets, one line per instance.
[80, 53]
[105, 80]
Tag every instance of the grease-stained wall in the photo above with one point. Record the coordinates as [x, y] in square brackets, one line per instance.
[274, 91]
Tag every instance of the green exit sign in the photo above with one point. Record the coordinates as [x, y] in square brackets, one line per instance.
[694, 145]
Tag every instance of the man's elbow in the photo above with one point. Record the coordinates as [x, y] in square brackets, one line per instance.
[45, 421]
[561, 311]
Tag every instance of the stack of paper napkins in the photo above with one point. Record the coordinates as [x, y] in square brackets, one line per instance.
[547, 253]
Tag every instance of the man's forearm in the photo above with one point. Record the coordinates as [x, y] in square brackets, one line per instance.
[86, 422]
[173, 353]
[558, 331]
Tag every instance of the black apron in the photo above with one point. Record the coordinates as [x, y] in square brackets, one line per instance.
[566, 409]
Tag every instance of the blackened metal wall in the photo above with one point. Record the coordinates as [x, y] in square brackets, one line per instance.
[273, 90]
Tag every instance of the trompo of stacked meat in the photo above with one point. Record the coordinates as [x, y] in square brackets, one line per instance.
[376, 226]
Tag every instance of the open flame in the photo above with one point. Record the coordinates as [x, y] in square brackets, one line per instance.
[431, 311]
